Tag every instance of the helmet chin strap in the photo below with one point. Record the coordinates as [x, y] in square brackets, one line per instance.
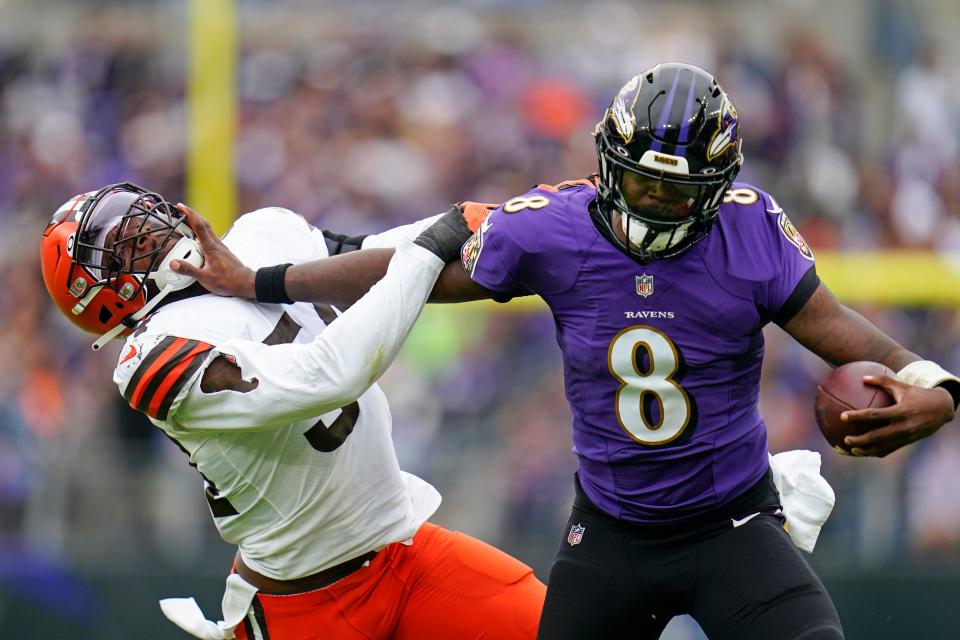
[166, 279]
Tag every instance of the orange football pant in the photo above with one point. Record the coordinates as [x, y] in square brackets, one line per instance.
[446, 585]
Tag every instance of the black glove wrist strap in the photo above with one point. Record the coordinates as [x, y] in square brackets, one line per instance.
[268, 284]
[446, 235]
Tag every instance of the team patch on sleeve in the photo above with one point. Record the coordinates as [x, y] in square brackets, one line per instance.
[162, 373]
[791, 234]
[470, 252]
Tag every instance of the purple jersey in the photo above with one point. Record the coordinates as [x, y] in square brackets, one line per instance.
[661, 362]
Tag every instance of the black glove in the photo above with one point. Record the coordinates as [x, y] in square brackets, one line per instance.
[446, 236]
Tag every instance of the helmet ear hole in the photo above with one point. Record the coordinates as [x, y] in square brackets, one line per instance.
[105, 315]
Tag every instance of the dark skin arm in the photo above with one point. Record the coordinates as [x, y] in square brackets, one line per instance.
[342, 280]
[338, 280]
[839, 335]
[340, 284]
[223, 374]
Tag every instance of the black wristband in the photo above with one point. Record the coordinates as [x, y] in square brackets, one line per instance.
[268, 284]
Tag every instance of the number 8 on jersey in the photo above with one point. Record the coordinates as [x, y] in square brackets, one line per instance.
[639, 389]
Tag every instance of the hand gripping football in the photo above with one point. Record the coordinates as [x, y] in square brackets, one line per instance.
[844, 390]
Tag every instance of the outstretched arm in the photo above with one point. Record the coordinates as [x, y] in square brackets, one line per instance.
[279, 383]
[840, 335]
[339, 280]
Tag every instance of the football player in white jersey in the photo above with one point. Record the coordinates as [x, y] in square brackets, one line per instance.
[276, 405]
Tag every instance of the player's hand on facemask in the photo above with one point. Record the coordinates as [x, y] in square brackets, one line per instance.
[917, 413]
[222, 273]
[445, 237]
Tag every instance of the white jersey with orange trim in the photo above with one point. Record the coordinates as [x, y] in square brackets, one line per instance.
[300, 471]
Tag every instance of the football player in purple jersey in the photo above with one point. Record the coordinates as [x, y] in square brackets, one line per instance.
[661, 272]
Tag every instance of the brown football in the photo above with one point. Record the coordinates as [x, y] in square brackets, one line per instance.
[843, 390]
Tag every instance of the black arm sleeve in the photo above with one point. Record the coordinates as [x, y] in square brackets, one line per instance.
[801, 293]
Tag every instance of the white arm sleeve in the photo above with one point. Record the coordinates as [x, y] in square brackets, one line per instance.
[398, 235]
[301, 381]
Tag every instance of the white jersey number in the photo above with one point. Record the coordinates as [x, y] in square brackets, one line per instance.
[321, 436]
[513, 205]
[743, 195]
[327, 438]
[639, 389]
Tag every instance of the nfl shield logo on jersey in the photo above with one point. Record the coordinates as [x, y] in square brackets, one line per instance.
[576, 534]
[645, 285]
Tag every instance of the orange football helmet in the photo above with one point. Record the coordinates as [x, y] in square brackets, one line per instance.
[100, 251]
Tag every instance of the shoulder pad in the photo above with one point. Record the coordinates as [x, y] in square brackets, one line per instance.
[569, 184]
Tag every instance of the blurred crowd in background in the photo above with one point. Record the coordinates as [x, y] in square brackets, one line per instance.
[361, 119]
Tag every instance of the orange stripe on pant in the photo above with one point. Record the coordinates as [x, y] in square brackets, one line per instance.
[445, 585]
